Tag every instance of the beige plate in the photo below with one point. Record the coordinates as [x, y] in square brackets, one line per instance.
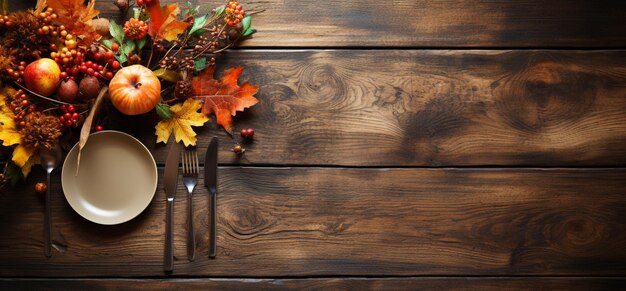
[116, 181]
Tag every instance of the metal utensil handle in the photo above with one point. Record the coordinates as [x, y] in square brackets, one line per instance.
[169, 238]
[213, 251]
[191, 236]
[47, 229]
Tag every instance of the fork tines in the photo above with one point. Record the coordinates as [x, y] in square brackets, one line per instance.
[190, 161]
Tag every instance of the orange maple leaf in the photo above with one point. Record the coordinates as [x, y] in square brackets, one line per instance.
[224, 97]
[163, 23]
[76, 18]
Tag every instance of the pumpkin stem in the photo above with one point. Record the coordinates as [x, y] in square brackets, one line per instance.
[137, 85]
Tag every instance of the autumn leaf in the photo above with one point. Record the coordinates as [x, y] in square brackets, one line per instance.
[223, 97]
[163, 23]
[25, 158]
[8, 133]
[76, 18]
[183, 118]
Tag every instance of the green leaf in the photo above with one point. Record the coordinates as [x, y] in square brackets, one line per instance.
[164, 111]
[246, 22]
[128, 47]
[141, 43]
[136, 12]
[107, 43]
[248, 32]
[116, 31]
[121, 58]
[199, 64]
[168, 75]
[198, 23]
[13, 173]
[219, 10]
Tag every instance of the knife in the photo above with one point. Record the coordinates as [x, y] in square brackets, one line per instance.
[210, 181]
[171, 182]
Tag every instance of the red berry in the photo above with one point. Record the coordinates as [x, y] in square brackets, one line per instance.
[115, 65]
[115, 46]
[96, 74]
[99, 128]
[97, 56]
[69, 123]
[75, 116]
[90, 71]
[244, 133]
[139, 2]
[89, 64]
[62, 119]
[83, 68]
[109, 54]
[71, 108]
[108, 75]
[250, 132]
[100, 67]
[67, 116]
[63, 108]
[63, 75]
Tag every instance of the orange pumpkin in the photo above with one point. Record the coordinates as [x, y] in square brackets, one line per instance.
[135, 90]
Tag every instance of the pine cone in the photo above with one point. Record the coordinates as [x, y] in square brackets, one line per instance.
[183, 89]
[40, 131]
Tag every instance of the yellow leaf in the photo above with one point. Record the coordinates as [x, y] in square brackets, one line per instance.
[183, 118]
[22, 154]
[8, 133]
[33, 160]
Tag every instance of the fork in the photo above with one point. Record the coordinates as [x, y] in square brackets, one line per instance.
[190, 179]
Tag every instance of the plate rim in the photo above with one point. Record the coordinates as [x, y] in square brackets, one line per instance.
[132, 138]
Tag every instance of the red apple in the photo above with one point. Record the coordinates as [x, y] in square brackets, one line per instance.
[135, 90]
[42, 76]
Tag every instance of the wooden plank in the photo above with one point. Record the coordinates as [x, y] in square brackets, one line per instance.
[427, 108]
[422, 23]
[410, 283]
[352, 222]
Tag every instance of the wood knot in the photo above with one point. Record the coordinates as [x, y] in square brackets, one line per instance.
[320, 83]
[546, 93]
[246, 219]
[576, 234]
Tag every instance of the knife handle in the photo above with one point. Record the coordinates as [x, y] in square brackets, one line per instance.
[169, 238]
[213, 250]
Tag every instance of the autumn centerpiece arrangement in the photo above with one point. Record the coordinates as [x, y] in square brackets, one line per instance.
[60, 62]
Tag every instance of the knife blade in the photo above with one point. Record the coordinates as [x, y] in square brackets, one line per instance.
[210, 181]
[171, 183]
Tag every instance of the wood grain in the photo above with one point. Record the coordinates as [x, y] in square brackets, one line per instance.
[353, 222]
[422, 23]
[410, 283]
[426, 108]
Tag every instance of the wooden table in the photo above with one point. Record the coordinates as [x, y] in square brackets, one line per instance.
[399, 144]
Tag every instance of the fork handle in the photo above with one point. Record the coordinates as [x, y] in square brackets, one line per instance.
[191, 236]
[169, 238]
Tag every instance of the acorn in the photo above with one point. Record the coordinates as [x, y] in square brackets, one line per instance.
[41, 188]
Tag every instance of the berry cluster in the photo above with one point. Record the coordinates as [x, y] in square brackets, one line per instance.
[135, 28]
[5, 21]
[247, 133]
[20, 106]
[234, 13]
[143, 2]
[47, 16]
[17, 74]
[70, 117]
